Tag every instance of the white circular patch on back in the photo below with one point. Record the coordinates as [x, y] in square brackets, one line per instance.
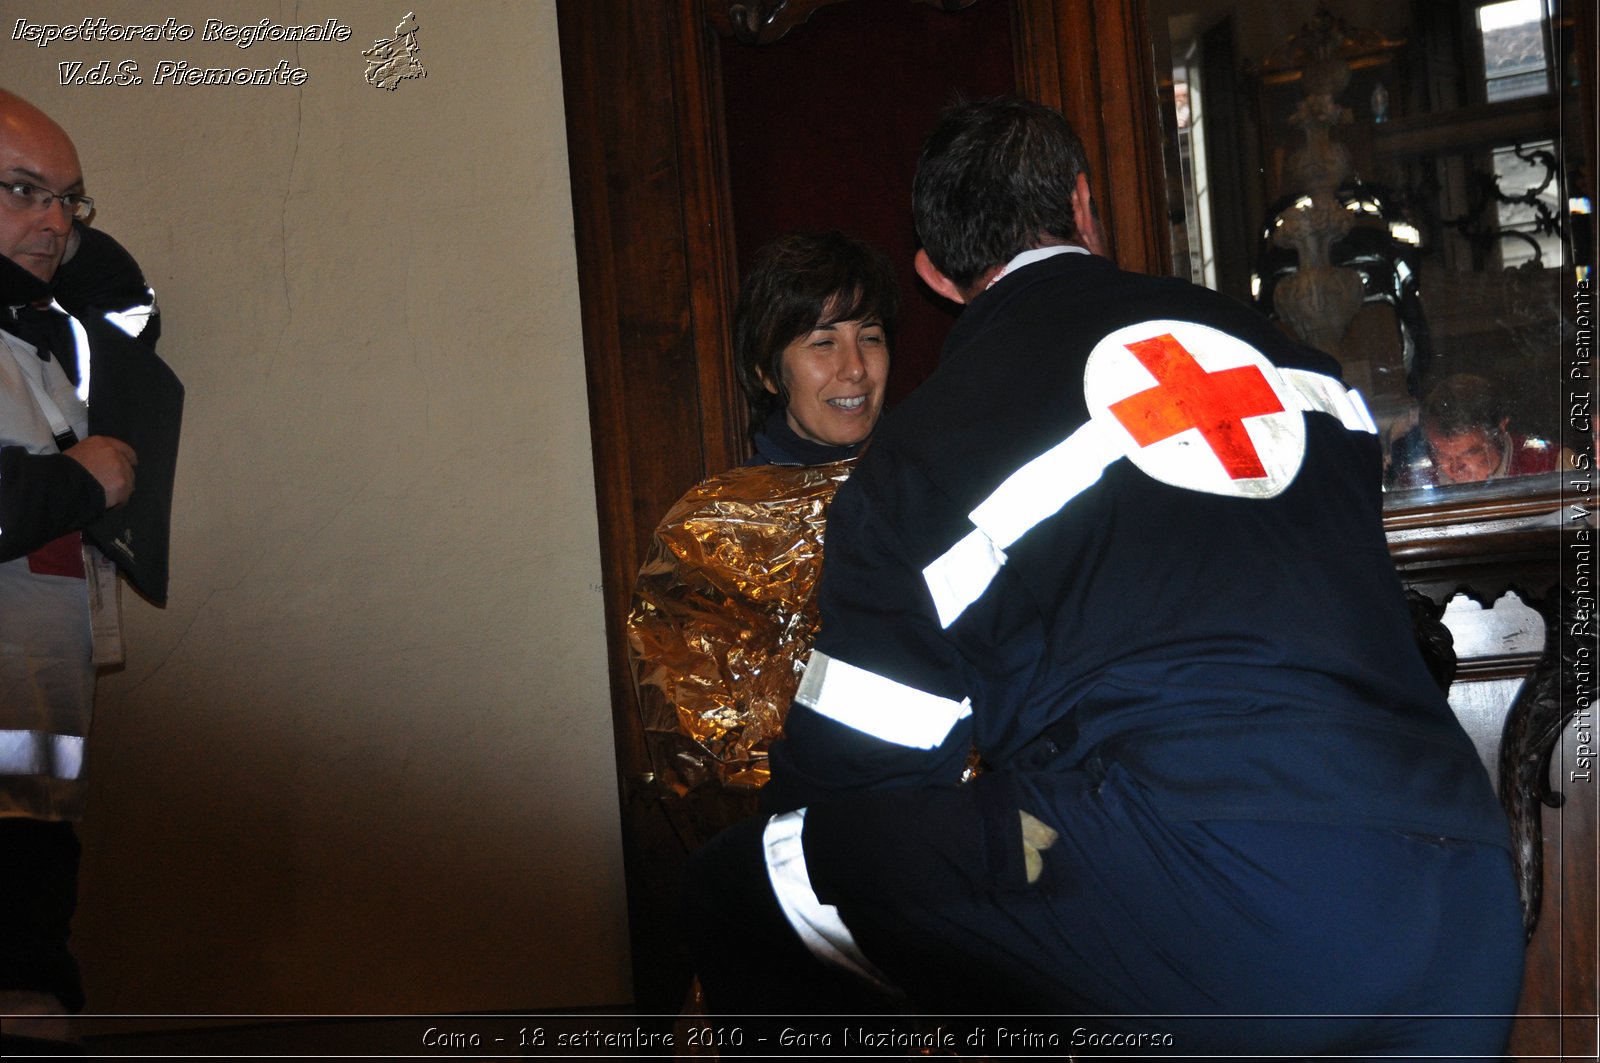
[1196, 408]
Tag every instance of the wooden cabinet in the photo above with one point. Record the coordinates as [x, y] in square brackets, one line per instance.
[1518, 575]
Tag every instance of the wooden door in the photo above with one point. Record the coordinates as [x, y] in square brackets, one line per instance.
[666, 203]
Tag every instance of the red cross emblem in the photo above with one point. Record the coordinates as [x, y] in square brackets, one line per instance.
[1187, 396]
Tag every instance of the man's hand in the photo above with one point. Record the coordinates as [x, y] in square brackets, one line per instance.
[109, 461]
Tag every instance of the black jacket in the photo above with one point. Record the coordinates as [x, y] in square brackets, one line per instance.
[45, 496]
[1244, 656]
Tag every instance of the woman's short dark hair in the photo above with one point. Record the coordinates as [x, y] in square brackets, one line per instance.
[995, 178]
[796, 283]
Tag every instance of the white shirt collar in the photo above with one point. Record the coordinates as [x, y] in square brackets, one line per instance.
[1037, 254]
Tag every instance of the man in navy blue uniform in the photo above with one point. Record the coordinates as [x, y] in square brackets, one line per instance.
[1126, 544]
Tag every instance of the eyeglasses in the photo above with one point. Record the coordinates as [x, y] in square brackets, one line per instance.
[21, 196]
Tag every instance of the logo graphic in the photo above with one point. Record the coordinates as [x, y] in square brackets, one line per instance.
[1197, 408]
[393, 61]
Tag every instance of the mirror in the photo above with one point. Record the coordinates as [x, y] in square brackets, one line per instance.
[1406, 187]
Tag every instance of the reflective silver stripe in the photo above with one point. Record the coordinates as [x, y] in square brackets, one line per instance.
[40, 753]
[961, 575]
[134, 319]
[85, 359]
[1326, 395]
[1044, 486]
[1038, 490]
[80, 340]
[818, 924]
[874, 705]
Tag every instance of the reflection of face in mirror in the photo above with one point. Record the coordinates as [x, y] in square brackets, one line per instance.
[1404, 195]
[834, 376]
[1473, 456]
[1470, 439]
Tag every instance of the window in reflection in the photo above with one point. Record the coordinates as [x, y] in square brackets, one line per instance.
[1512, 36]
[1528, 212]
[1194, 161]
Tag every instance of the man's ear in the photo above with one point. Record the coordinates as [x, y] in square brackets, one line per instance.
[1084, 217]
[934, 279]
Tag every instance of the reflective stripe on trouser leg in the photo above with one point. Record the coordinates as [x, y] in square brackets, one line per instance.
[819, 926]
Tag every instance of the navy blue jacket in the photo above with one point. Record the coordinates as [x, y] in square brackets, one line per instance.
[1245, 656]
[43, 496]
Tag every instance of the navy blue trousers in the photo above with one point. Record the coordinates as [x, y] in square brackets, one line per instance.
[1221, 937]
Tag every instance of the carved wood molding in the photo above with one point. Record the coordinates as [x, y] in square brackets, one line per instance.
[1497, 666]
[1433, 638]
[1483, 549]
[1533, 725]
[1546, 704]
[1467, 517]
[756, 22]
[761, 21]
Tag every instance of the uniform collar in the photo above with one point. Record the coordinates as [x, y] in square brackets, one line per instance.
[18, 287]
[1037, 254]
[779, 444]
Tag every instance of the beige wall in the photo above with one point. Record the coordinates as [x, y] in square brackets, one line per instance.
[362, 762]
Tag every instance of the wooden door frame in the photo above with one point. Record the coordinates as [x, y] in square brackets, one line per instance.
[657, 278]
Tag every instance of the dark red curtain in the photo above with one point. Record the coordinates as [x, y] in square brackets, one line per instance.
[824, 127]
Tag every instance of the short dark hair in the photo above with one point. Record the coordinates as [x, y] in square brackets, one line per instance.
[1460, 403]
[995, 178]
[795, 284]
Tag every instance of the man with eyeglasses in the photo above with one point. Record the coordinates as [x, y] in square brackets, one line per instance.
[1469, 437]
[68, 296]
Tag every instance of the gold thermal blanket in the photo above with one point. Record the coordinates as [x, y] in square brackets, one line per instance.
[723, 619]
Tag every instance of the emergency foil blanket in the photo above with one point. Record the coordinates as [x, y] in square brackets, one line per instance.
[723, 619]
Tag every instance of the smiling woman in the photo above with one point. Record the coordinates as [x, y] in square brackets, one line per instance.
[834, 378]
[723, 614]
[811, 334]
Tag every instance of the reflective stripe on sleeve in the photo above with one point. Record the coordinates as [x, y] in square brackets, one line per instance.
[134, 319]
[819, 926]
[1326, 395]
[80, 341]
[41, 753]
[1043, 487]
[130, 321]
[867, 702]
[80, 336]
[1038, 490]
[961, 575]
